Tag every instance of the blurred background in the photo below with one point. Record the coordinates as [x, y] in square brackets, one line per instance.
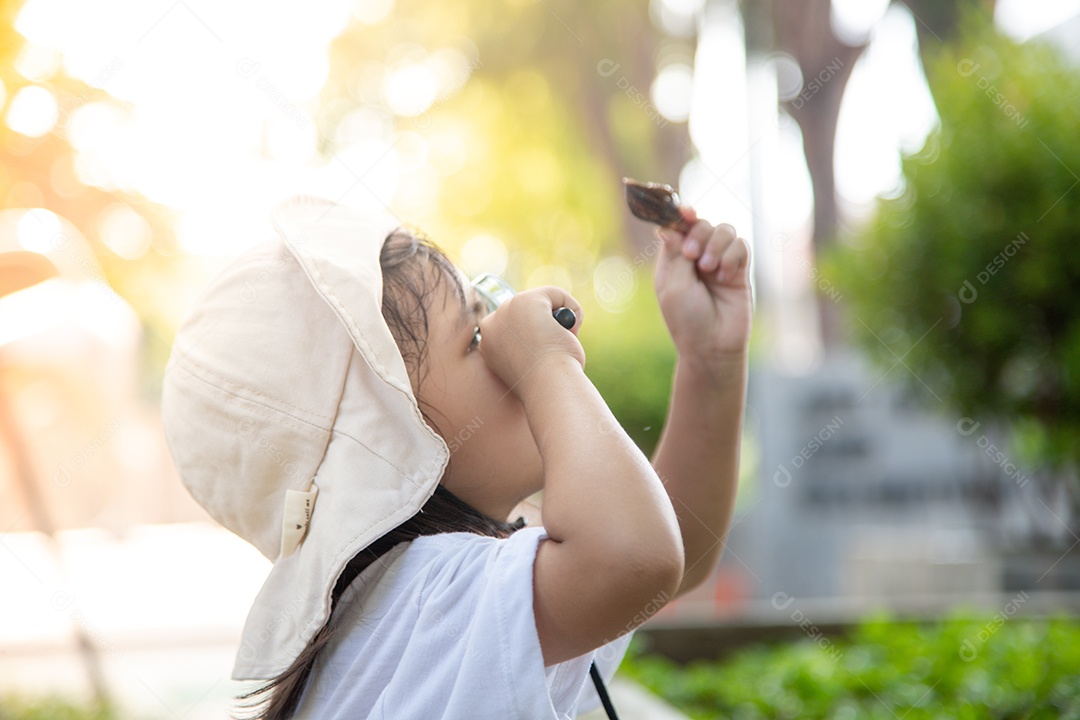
[908, 176]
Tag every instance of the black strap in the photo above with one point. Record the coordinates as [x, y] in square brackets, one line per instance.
[602, 692]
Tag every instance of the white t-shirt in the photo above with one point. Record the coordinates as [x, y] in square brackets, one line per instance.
[443, 627]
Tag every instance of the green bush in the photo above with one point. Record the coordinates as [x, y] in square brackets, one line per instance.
[630, 359]
[969, 277]
[16, 707]
[962, 667]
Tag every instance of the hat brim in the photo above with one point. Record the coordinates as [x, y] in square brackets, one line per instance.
[383, 461]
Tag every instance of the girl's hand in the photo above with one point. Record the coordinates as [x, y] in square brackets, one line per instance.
[522, 333]
[702, 282]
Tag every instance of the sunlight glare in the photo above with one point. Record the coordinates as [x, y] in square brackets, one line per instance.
[671, 91]
[887, 109]
[676, 17]
[410, 88]
[370, 12]
[484, 253]
[39, 230]
[36, 63]
[853, 20]
[218, 123]
[34, 310]
[124, 231]
[33, 111]
[1021, 19]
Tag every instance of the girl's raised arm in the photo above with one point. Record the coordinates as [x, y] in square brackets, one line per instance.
[614, 553]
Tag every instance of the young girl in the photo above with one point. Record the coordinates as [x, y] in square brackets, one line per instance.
[342, 398]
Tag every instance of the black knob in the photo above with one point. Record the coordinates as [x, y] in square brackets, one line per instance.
[566, 317]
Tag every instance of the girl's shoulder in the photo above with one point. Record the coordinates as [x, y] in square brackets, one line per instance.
[461, 564]
[446, 558]
[445, 546]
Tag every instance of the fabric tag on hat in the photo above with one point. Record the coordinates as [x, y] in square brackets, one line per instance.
[296, 518]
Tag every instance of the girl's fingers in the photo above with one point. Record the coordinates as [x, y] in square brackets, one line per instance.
[734, 259]
[671, 241]
[722, 237]
[697, 239]
[716, 250]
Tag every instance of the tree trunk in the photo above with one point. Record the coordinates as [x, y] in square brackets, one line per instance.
[802, 29]
[38, 509]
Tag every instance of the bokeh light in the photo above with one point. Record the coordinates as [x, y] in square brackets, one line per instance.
[33, 111]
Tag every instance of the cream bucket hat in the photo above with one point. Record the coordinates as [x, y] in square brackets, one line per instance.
[289, 413]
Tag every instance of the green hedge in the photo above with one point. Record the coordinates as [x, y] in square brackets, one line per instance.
[15, 707]
[961, 667]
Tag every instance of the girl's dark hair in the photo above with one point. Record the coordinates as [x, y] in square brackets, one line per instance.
[404, 260]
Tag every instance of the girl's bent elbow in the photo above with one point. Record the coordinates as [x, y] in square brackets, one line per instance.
[659, 572]
[672, 575]
[656, 589]
[671, 559]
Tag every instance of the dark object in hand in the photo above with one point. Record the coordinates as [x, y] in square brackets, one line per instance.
[655, 203]
[566, 317]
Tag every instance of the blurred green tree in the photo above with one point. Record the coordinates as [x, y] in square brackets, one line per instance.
[543, 106]
[517, 120]
[969, 277]
[805, 30]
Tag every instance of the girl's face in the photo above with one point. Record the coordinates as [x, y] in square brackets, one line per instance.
[494, 459]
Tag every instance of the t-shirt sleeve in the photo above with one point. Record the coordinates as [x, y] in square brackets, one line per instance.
[493, 584]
